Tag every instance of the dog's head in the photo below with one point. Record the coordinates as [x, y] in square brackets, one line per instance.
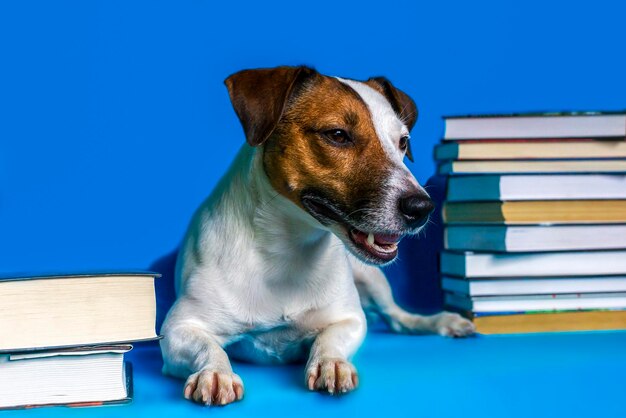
[335, 147]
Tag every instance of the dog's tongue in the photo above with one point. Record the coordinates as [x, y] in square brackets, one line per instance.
[387, 238]
[381, 239]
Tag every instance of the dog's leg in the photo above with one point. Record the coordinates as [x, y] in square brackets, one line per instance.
[328, 368]
[375, 294]
[192, 353]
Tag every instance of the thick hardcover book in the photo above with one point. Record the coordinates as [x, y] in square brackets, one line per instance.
[497, 238]
[532, 322]
[529, 150]
[38, 312]
[575, 263]
[532, 166]
[87, 376]
[536, 187]
[536, 212]
[552, 125]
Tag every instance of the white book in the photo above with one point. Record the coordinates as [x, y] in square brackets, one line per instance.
[537, 187]
[534, 285]
[78, 376]
[575, 263]
[569, 302]
[535, 238]
[536, 126]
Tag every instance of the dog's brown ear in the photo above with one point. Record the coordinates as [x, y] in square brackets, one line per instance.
[260, 96]
[401, 103]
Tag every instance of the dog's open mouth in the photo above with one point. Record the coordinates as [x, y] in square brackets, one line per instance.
[383, 247]
[373, 247]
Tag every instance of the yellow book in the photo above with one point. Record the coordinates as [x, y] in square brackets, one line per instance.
[527, 150]
[530, 166]
[536, 212]
[550, 322]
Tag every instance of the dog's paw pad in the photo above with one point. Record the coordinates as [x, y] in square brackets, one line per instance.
[210, 387]
[332, 375]
[454, 325]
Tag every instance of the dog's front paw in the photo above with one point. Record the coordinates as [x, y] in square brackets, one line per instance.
[210, 387]
[332, 375]
[453, 325]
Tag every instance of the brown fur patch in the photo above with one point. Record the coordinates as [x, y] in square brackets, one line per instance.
[298, 156]
[259, 97]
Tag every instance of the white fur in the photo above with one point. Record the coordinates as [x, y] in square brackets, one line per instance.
[388, 126]
[389, 129]
[261, 279]
[233, 265]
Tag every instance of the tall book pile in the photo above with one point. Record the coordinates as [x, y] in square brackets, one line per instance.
[63, 338]
[535, 221]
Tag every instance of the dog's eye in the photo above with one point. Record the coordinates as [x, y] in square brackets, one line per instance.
[404, 142]
[338, 136]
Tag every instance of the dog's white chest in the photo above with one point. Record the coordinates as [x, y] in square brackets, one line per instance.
[288, 308]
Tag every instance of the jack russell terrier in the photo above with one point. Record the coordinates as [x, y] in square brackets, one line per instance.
[281, 260]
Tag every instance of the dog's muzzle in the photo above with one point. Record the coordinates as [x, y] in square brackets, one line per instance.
[371, 244]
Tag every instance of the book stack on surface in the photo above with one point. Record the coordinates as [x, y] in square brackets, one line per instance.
[64, 337]
[535, 221]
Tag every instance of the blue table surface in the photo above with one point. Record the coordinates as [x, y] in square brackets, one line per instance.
[541, 375]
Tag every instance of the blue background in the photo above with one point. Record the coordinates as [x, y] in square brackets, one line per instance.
[115, 124]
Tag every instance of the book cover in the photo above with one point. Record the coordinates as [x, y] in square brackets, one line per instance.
[552, 125]
[513, 187]
[550, 264]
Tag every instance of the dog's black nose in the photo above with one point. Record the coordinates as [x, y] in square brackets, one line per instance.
[416, 208]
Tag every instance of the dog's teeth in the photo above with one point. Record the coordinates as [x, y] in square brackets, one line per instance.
[370, 239]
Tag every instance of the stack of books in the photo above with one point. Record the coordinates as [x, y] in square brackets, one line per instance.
[535, 221]
[63, 337]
